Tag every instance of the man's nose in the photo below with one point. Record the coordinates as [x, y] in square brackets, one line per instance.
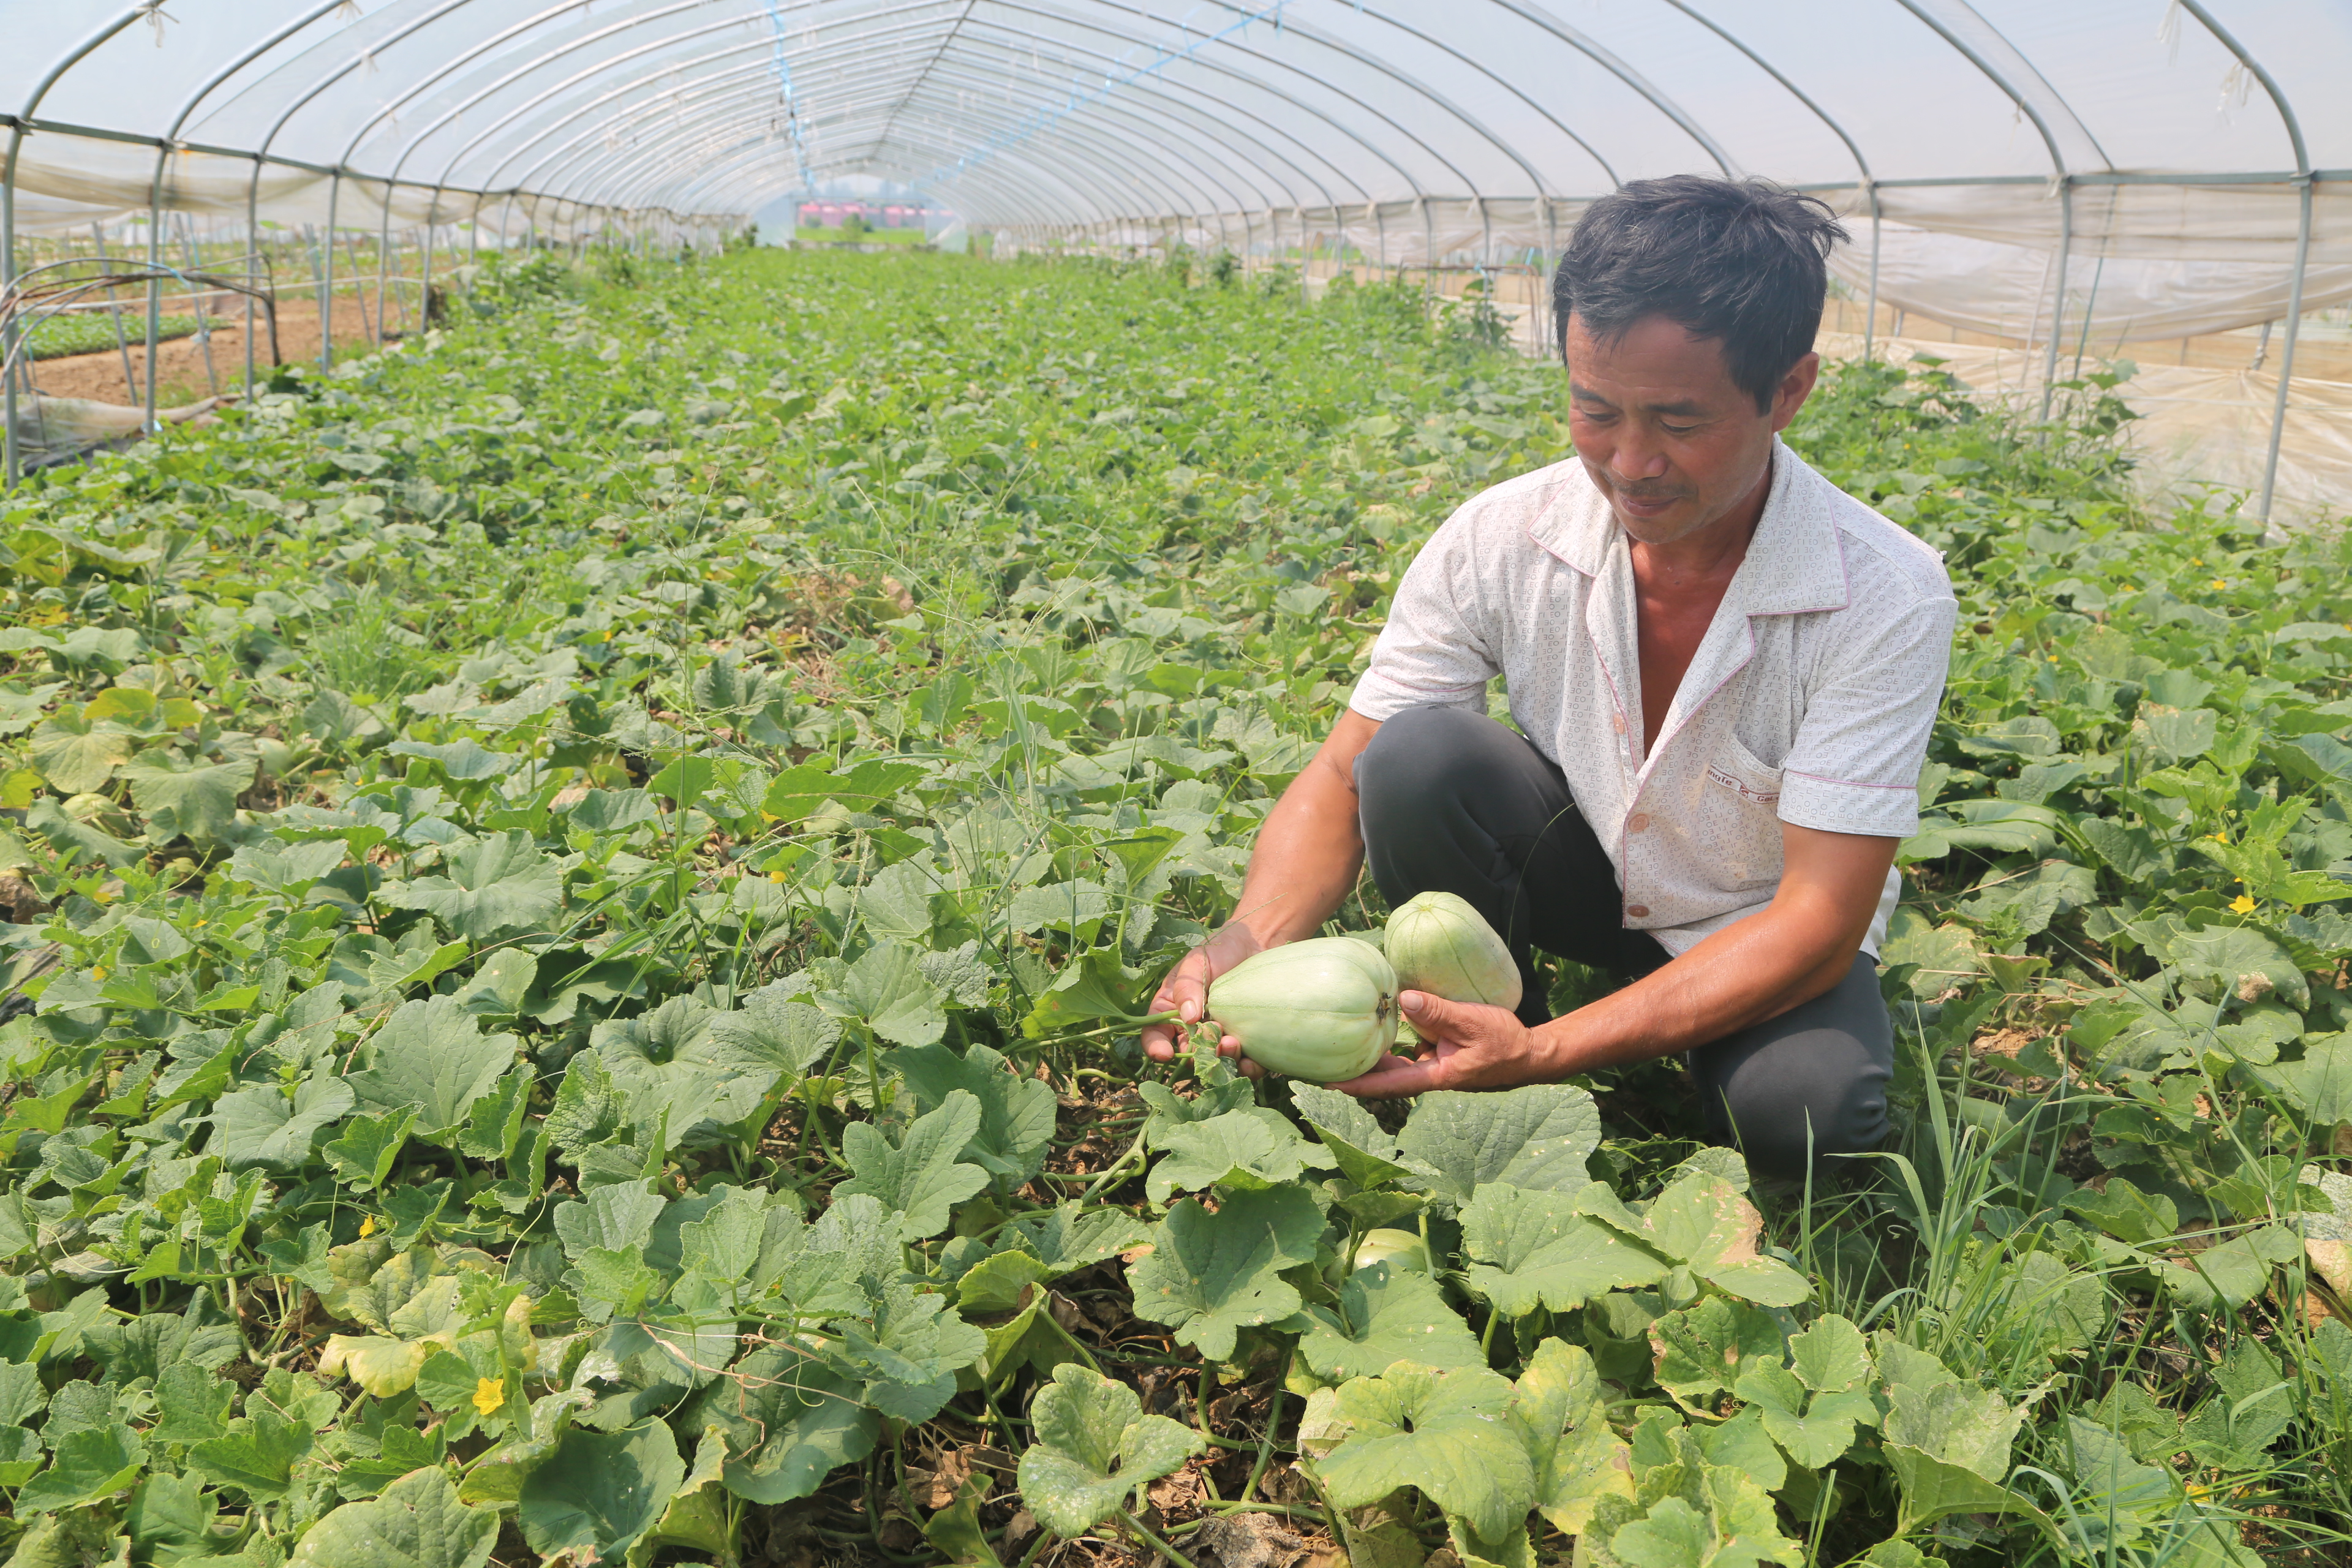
[1637, 458]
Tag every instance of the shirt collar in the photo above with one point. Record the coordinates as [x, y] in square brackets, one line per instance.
[1794, 564]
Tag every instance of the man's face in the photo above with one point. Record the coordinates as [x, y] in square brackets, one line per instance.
[1664, 431]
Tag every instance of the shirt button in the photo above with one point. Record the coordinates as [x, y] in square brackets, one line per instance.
[1638, 823]
[1617, 722]
[1639, 911]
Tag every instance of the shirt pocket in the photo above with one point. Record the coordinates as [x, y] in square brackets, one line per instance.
[1742, 816]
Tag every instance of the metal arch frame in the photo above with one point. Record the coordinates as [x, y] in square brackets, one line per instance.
[511, 153]
[1066, 50]
[596, 103]
[2304, 182]
[1181, 105]
[2060, 172]
[638, 180]
[188, 107]
[11, 458]
[1869, 182]
[1169, 90]
[1625, 73]
[1207, 179]
[1608, 170]
[1314, 155]
[1378, 67]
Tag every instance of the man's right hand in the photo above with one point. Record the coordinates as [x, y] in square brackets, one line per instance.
[1185, 992]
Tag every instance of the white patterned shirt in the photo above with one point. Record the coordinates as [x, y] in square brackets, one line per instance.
[1810, 700]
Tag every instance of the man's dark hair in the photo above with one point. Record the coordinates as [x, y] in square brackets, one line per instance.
[1743, 262]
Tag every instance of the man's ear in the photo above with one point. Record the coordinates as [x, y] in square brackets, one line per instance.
[1794, 388]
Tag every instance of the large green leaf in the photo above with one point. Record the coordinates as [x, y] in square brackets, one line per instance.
[789, 1421]
[919, 1178]
[264, 1126]
[417, 1522]
[1386, 1314]
[76, 756]
[1210, 1275]
[1243, 1150]
[1559, 1409]
[1537, 1137]
[90, 1463]
[494, 886]
[1443, 1432]
[197, 799]
[432, 1055]
[1016, 1112]
[600, 1490]
[1532, 1248]
[680, 1071]
[1091, 1446]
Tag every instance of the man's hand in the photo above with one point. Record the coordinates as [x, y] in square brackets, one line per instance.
[1463, 1044]
[1185, 992]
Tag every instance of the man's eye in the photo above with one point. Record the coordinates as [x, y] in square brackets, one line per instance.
[1677, 429]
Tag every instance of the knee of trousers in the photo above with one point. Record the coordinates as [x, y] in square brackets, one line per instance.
[1426, 754]
[1820, 1096]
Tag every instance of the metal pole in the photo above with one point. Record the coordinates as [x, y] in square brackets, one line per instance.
[196, 300]
[2286, 347]
[155, 278]
[113, 310]
[11, 460]
[252, 265]
[2058, 290]
[1870, 313]
[327, 277]
[383, 262]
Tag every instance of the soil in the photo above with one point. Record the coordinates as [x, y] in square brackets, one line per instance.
[180, 374]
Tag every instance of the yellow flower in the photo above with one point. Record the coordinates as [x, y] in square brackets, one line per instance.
[2218, 582]
[777, 877]
[2242, 905]
[489, 1394]
[99, 973]
[367, 1225]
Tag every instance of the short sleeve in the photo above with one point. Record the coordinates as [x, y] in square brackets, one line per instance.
[1854, 767]
[1435, 649]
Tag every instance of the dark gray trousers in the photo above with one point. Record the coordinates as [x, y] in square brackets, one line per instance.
[1453, 802]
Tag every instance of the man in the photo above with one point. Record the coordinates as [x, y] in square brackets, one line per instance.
[1725, 671]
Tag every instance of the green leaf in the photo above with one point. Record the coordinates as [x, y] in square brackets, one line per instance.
[1953, 1423]
[90, 1463]
[1705, 1348]
[1814, 1429]
[1530, 1249]
[196, 799]
[1386, 1315]
[1443, 1432]
[74, 756]
[1246, 1150]
[887, 988]
[496, 886]
[257, 1453]
[1560, 1411]
[789, 1421]
[432, 1055]
[1210, 1275]
[676, 1070]
[1092, 1446]
[417, 1523]
[1702, 1220]
[1016, 1112]
[1537, 1137]
[262, 1126]
[600, 1490]
[920, 1179]
[1367, 1156]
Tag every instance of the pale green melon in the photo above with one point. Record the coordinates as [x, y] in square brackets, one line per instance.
[1323, 1009]
[1438, 943]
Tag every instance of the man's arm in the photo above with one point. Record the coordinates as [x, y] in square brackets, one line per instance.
[1306, 860]
[1796, 948]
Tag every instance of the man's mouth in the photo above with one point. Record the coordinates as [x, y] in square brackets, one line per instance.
[1647, 505]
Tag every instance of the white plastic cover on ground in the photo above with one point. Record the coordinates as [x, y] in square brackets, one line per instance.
[2154, 166]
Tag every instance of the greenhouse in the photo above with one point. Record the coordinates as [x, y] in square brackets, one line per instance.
[755, 809]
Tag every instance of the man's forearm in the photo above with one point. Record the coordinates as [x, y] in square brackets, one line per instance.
[1311, 847]
[1756, 969]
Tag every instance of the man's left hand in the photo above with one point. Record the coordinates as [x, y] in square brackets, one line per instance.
[1463, 1044]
